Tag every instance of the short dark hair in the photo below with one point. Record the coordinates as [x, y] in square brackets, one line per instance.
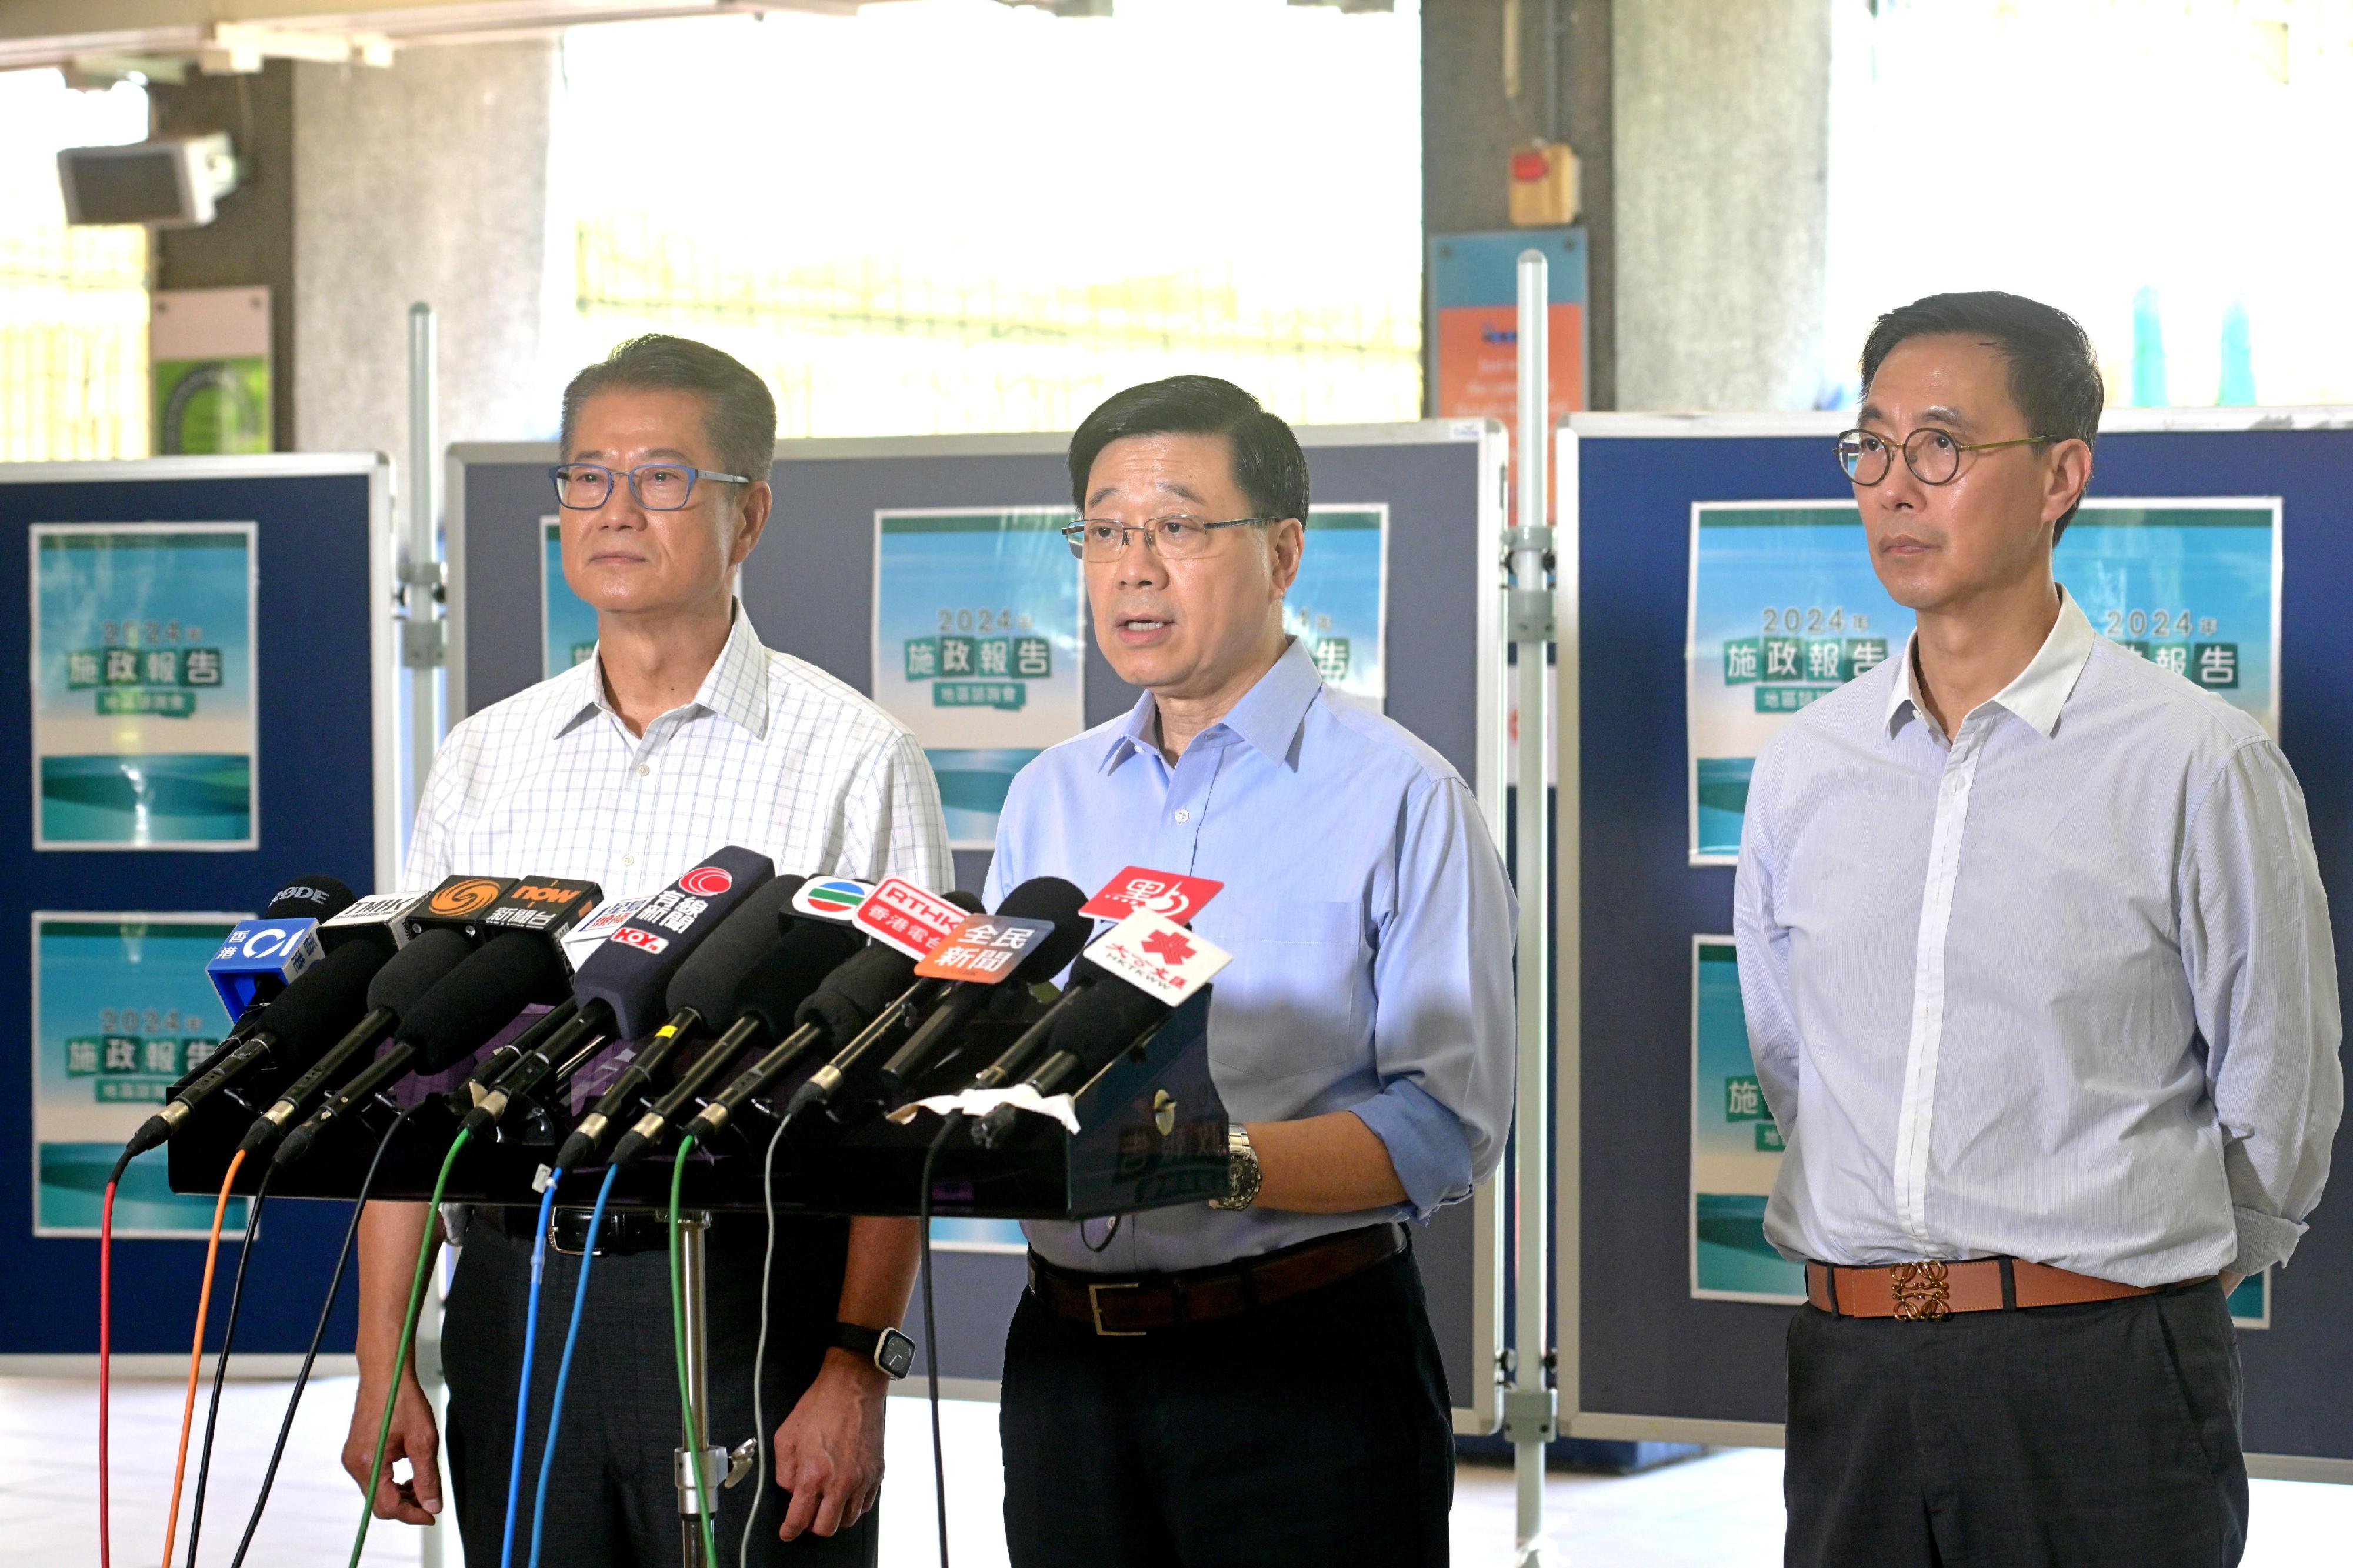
[2054, 375]
[739, 413]
[1269, 468]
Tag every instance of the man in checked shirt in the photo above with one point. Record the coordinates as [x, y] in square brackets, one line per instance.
[2042, 994]
[679, 735]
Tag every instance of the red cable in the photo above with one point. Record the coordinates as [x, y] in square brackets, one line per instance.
[105, 1320]
[196, 1357]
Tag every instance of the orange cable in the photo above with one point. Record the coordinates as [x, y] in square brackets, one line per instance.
[196, 1357]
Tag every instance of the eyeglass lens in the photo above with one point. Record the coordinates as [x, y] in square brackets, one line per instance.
[1933, 456]
[658, 487]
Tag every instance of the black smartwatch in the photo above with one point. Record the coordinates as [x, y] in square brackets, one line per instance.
[891, 1351]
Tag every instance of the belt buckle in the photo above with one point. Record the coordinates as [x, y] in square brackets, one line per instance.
[1094, 1305]
[1922, 1294]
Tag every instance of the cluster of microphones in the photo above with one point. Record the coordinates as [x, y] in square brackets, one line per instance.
[813, 995]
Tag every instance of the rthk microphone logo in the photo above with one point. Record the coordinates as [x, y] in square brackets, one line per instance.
[1165, 893]
[907, 918]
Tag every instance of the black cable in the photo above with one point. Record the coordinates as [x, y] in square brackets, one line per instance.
[220, 1363]
[931, 1338]
[318, 1334]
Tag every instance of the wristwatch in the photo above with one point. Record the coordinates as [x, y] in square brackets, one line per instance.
[891, 1351]
[1242, 1170]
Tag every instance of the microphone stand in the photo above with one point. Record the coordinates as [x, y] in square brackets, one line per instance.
[690, 1465]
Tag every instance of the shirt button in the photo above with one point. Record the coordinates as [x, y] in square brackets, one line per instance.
[643, 769]
[1183, 814]
[628, 860]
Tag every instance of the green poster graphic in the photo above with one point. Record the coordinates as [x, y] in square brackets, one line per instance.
[1339, 604]
[142, 677]
[1737, 1156]
[120, 1009]
[568, 622]
[1785, 607]
[211, 405]
[978, 647]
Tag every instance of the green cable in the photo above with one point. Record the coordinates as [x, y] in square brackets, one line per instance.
[694, 1440]
[407, 1329]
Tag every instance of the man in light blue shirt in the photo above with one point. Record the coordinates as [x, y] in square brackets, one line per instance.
[2042, 993]
[1256, 1381]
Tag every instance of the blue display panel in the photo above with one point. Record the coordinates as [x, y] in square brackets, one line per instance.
[1646, 1347]
[321, 685]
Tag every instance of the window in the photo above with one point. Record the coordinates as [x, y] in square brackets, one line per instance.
[950, 216]
[2168, 172]
[73, 301]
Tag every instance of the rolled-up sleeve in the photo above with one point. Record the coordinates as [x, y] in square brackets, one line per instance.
[1443, 1026]
[2258, 952]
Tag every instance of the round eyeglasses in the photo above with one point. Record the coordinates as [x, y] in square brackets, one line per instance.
[658, 487]
[1934, 456]
[1176, 537]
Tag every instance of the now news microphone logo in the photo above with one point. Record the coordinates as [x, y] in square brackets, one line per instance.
[261, 957]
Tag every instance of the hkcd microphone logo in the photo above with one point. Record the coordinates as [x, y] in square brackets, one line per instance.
[706, 881]
[465, 898]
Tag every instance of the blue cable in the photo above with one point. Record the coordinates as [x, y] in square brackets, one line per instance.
[563, 1368]
[522, 1387]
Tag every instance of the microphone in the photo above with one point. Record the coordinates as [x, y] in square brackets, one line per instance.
[1120, 990]
[703, 988]
[851, 1062]
[763, 1005]
[444, 1011]
[326, 1000]
[397, 987]
[840, 1008]
[262, 957]
[622, 985]
[1033, 936]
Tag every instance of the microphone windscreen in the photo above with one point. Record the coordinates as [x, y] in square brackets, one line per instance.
[328, 999]
[1104, 1020]
[1048, 899]
[416, 969]
[712, 975]
[480, 997]
[321, 898]
[792, 968]
[856, 991]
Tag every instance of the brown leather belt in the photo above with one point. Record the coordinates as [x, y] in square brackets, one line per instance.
[1124, 1306]
[1925, 1292]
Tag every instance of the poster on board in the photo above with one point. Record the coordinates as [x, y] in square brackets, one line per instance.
[1783, 607]
[567, 622]
[120, 1009]
[1735, 1155]
[1339, 604]
[978, 647]
[143, 684]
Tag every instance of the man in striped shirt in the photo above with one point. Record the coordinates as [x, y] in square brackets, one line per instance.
[680, 734]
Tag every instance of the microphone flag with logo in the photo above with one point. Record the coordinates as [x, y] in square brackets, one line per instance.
[458, 903]
[262, 957]
[1165, 893]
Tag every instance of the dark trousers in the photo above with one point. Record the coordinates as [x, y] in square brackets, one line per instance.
[611, 1503]
[1315, 1430]
[2101, 1436]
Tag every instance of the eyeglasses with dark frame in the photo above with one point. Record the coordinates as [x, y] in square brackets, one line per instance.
[658, 487]
[1176, 537]
[1933, 455]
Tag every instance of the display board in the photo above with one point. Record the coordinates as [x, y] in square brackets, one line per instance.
[211, 713]
[1644, 1355]
[1415, 503]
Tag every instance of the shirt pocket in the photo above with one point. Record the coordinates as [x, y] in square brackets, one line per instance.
[1295, 997]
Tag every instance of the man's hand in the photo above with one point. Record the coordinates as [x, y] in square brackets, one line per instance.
[829, 1449]
[414, 1437]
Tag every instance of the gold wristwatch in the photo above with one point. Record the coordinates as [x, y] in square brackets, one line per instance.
[1242, 1170]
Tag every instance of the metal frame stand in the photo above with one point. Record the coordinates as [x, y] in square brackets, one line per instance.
[722, 1466]
[1530, 1405]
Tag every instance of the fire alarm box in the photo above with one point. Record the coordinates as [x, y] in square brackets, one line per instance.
[1544, 185]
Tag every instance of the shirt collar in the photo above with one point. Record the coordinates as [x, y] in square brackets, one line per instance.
[1267, 717]
[735, 687]
[2039, 691]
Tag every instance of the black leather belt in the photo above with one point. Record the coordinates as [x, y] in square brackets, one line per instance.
[1126, 1306]
[624, 1231]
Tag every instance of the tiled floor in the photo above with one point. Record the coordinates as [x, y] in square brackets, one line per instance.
[1720, 1510]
